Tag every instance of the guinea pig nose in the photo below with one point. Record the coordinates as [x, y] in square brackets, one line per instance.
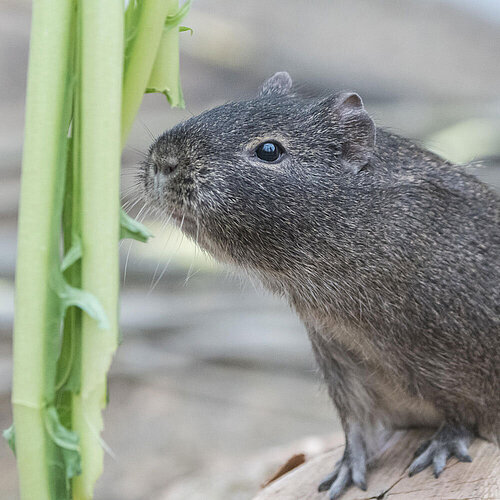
[169, 164]
[164, 164]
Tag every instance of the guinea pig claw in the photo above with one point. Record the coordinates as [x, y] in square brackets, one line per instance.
[449, 440]
[351, 469]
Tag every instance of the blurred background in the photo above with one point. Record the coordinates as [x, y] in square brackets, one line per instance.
[215, 381]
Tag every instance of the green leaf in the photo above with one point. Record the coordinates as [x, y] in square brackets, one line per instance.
[10, 436]
[68, 443]
[71, 296]
[73, 254]
[185, 28]
[174, 19]
[130, 228]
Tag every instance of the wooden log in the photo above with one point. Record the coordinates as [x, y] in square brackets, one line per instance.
[388, 476]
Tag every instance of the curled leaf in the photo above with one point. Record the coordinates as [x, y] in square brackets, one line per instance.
[130, 228]
[174, 19]
[71, 296]
[10, 436]
[67, 442]
[73, 254]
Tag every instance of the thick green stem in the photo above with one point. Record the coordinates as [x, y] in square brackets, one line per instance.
[36, 331]
[164, 76]
[76, 55]
[100, 149]
[141, 54]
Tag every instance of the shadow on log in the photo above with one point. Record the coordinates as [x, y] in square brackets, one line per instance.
[388, 477]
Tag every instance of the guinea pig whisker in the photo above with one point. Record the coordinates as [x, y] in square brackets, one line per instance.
[154, 285]
[190, 273]
[131, 243]
[166, 242]
[141, 212]
[140, 152]
[130, 204]
[148, 130]
[126, 261]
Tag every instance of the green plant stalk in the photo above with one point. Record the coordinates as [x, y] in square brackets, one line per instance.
[36, 330]
[164, 77]
[140, 56]
[60, 386]
[100, 151]
[69, 362]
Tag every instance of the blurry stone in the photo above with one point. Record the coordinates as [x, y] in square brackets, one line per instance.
[6, 367]
[8, 245]
[6, 306]
[242, 480]
[9, 197]
[177, 422]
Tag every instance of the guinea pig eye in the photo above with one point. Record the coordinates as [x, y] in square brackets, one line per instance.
[269, 151]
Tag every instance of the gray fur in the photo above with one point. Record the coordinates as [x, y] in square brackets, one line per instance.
[387, 252]
[279, 84]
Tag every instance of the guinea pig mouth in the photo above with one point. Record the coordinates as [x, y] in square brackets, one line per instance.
[169, 196]
[186, 221]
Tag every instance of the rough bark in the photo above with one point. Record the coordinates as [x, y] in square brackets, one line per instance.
[388, 477]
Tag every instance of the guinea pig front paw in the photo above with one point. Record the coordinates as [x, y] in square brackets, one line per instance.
[350, 469]
[449, 440]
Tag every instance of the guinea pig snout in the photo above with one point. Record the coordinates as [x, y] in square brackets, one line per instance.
[164, 164]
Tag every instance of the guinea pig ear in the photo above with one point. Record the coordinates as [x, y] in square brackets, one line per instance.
[357, 130]
[279, 84]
